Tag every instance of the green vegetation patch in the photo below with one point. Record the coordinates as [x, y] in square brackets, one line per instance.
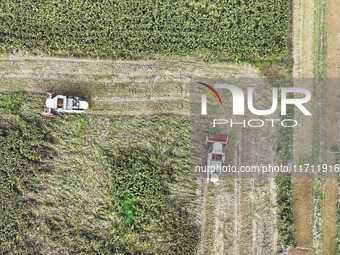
[130, 206]
[284, 185]
[228, 29]
[284, 197]
[9, 103]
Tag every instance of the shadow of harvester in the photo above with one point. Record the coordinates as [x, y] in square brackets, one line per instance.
[69, 88]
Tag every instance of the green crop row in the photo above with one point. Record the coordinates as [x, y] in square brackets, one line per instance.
[284, 186]
[284, 197]
[229, 29]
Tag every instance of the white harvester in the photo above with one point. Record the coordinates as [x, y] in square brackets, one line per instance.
[216, 156]
[63, 104]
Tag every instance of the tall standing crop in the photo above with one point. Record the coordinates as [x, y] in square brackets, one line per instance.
[235, 29]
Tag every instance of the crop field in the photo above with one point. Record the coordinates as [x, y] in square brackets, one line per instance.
[225, 29]
[117, 180]
[100, 140]
[121, 184]
[89, 184]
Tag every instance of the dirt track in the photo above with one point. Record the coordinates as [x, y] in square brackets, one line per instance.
[302, 189]
[332, 124]
[304, 67]
[316, 54]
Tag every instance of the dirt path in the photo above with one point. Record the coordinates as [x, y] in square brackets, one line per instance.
[304, 24]
[309, 59]
[332, 131]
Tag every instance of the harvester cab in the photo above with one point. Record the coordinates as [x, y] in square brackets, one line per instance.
[216, 156]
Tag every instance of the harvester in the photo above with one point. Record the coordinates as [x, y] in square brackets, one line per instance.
[216, 156]
[57, 104]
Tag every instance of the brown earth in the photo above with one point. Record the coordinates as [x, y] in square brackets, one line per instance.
[302, 212]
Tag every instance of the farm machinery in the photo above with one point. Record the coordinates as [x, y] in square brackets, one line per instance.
[216, 156]
[57, 104]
